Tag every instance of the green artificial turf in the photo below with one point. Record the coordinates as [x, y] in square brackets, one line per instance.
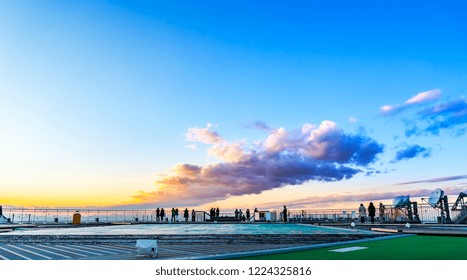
[405, 248]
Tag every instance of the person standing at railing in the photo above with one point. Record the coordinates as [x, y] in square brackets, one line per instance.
[212, 213]
[217, 212]
[247, 212]
[240, 214]
[372, 212]
[162, 215]
[236, 214]
[172, 219]
[285, 214]
[185, 214]
[193, 215]
[158, 215]
[381, 212]
[176, 215]
[362, 213]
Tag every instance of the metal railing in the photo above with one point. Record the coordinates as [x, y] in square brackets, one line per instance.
[48, 216]
[427, 214]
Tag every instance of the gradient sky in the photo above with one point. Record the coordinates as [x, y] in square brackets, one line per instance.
[138, 104]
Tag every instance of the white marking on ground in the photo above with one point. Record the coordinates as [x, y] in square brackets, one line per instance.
[47, 251]
[73, 247]
[15, 253]
[65, 251]
[4, 258]
[93, 248]
[120, 250]
[122, 246]
[348, 249]
[31, 252]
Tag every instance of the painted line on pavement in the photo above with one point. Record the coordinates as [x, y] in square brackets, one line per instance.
[30, 252]
[73, 247]
[15, 253]
[65, 251]
[47, 251]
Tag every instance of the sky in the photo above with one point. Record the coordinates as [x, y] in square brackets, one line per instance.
[231, 104]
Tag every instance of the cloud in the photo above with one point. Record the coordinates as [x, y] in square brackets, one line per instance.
[435, 180]
[259, 125]
[420, 98]
[444, 116]
[230, 152]
[424, 97]
[411, 152]
[312, 153]
[325, 142]
[203, 135]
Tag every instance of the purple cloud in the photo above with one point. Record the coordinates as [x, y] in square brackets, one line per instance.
[259, 125]
[323, 201]
[435, 180]
[445, 116]
[313, 153]
[411, 152]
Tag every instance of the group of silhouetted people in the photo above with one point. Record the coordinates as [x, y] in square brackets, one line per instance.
[214, 212]
[371, 212]
[242, 217]
[161, 215]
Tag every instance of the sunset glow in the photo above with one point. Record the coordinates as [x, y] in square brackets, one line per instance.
[144, 104]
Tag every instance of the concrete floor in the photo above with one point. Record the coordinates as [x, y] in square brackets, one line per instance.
[124, 252]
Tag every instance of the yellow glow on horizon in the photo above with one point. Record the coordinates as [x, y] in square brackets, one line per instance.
[62, 200]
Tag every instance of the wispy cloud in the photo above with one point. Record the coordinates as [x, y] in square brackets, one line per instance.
[322, 201]
[435, 180]
[411, 152]
[421, 98]
[259, 125]
[203, 135]
[319, 153]
[445, 116]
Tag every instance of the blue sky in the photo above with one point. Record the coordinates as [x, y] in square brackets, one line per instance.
[98, 98]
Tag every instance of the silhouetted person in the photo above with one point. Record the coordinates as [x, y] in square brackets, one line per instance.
[162, 214]
[193, 215]
[243, 218]
[186, 214]
[372, 212]
[236, 214]
[176, 214]
[284, 214]
[173, 215]
[362, 213]
[240, 213]
[158, 214]
[381, 212]
[217, 212]
[248, 214]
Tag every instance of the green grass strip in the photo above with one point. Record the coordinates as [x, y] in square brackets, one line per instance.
[408, 248]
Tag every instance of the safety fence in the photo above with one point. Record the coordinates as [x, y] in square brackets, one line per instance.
[425, 213]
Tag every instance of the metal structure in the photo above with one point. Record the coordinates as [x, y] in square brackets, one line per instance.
[410, 209]
[460, 206]
[438, 200]
[3, 219]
